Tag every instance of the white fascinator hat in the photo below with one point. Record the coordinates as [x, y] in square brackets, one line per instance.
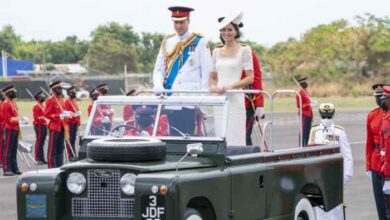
[234, 18]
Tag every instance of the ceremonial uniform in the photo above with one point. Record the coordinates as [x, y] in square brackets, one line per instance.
[1, 134]
[385, 144]
[11, 133]
[307, 112]
[57, 126]
[253, 101]
[144, 122]
[40, 128]
[73, 123]
[328, 133]
[183, 63]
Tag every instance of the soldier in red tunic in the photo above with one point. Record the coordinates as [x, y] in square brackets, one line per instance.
[253, 102]
[144, 121]
[11, 132]
[40, 126]
[373, 157]
[2, 99]
[385, 144]
[55, 112]
[307, 112]
[73, 122]
[105, 110]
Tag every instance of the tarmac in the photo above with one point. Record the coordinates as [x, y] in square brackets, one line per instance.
[358, 196]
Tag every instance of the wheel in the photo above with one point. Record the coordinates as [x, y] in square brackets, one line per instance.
[304, 210]
[135, 149]
[192, 214]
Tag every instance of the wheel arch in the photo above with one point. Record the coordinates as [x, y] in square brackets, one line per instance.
[204, 206]
[313, 193]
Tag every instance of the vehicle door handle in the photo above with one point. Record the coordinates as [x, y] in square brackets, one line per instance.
[261, 182]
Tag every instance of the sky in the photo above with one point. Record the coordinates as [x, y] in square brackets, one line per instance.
[265, 22]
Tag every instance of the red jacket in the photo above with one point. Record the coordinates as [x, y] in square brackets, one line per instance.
[39, 114]
[89, 108]
[385, 145]
[1, 115]
[10, 114]
[53, 109]
[128, 113]
[374, 126]
[257, 99]
[71, 106]
[306, 108]
[162, 130]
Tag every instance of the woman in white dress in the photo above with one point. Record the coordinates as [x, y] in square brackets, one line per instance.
[228, 63]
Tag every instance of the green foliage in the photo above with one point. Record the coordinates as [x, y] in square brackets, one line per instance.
[9, 40]
[147, 51]
[333, 52]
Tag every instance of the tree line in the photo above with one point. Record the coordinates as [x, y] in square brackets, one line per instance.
[339, 51]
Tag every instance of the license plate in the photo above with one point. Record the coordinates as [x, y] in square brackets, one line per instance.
[36, 206]
[153, 207]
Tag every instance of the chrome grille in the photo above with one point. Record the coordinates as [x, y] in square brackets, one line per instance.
[103, 197]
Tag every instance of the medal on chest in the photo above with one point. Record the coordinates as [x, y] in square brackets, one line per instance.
[190, 54]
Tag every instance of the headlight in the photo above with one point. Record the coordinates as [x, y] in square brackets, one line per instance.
[76, 183]
[128, 183]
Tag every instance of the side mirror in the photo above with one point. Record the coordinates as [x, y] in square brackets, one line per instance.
[194, 149]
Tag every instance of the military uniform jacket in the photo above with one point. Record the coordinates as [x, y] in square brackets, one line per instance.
[39, 114]
[373, 141]
[10, 114]
[334, 134]
[385, 145]
[195, 72]
[71, 106]
[53, 111]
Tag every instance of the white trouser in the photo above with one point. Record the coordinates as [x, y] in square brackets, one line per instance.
[334, 214]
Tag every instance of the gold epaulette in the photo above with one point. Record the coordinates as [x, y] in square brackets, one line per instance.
[163, 44]
[374, 109]
[197, 34]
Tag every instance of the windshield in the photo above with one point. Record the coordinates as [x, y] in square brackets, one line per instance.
[131, 117]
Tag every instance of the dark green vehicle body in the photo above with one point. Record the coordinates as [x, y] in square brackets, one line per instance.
[250, 186]
[217, 184]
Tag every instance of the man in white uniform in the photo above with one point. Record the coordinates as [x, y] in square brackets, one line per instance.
[328, 133]
[183, 63]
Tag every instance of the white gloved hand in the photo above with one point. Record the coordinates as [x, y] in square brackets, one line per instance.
[259, 113]
[105, 120]
[369, 174]
[347, 179]
[158, 90]
[65, 114]
[386, 187]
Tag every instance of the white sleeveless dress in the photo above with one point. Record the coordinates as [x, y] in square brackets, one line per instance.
[229, 70]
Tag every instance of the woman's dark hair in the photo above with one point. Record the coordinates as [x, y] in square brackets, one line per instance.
[236, 27]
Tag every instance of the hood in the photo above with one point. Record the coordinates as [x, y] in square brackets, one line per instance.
[144, 167]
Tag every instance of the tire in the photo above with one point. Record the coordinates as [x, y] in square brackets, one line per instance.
[304, 210]
[192, 214]
[126, 150]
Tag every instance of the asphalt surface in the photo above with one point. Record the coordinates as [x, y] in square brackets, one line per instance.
[358, 194]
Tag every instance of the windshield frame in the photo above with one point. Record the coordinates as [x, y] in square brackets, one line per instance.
[160, 101]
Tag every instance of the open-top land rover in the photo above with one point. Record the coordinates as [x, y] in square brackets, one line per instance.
[135, 165]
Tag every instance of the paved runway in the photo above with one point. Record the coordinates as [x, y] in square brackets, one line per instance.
[358, 193]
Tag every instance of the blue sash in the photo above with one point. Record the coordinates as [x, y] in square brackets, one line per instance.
[179, 62]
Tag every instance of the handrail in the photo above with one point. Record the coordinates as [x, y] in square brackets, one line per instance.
[285, 91]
